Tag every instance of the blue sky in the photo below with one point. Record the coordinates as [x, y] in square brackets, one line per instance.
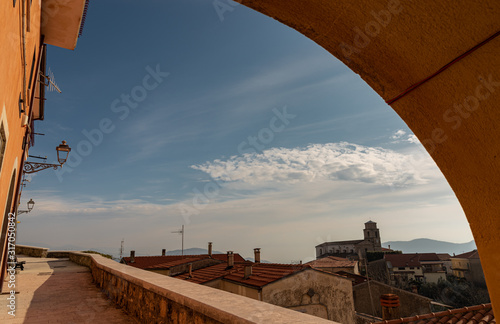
[241, 129]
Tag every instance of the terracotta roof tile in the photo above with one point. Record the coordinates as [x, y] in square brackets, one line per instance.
[468, 255]
[262, 273]
[356, 279]
[168, 261]
[411, 259]
[480, 314]
[443, 256]
[332, 262]
[341, 242]
[265, 273]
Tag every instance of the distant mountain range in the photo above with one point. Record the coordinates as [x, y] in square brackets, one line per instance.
[424, 245]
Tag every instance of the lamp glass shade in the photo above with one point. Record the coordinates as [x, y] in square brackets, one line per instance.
[62, 152]
[31, 204]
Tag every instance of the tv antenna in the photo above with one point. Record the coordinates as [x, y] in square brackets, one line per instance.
[181, 231]
[50, 81]
[121, 249]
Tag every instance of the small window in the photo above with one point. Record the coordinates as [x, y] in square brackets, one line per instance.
[3, 143]
[411, 268]
[401, 268]
[32, 69]
[21, 104]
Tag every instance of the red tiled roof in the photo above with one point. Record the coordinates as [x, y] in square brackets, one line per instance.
[332, 262]
[341, 242]
[265, 273]
[262, 273]
[168, 261]
[410, 259]
[211, 273]
[356, 279]
[443, 256]
[482, 314]
[468, 255]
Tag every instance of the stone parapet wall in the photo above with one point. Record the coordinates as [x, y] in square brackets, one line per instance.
[58, 254]
[32, 251]
[154, 298]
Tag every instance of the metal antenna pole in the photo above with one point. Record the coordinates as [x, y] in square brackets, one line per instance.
[181, 232]
[121, 250]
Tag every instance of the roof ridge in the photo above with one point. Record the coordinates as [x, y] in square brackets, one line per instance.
[438, 314]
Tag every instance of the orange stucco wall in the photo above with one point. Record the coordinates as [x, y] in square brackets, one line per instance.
[394, 44]
[11, 86]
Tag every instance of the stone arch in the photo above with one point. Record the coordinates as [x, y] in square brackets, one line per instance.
[395, 44]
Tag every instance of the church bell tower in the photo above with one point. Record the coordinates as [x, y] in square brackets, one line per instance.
[372, 234]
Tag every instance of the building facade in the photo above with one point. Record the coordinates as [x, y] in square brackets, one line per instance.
[353, 249]
[25, 29]
[468, 266]
[422, 267]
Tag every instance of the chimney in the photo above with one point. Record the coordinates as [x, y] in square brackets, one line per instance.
[210, 249]
[256, 253]
[190, 270]
[248, 271]
[132, 256]
[390, 306]
[230, 259]
[389, 246]
[163, 251]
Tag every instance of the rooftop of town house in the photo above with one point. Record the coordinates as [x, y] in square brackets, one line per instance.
[332, 262]
[411, 259]
[482, 314]
[356, 279]
[340, 242]
[168, 261]
[444, 256]
[468, 255]
[262, 273]
[51, 290]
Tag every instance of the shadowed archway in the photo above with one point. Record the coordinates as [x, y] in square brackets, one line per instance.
[437, 64]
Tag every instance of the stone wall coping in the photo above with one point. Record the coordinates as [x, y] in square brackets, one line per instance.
[32, 247]
[217, 304]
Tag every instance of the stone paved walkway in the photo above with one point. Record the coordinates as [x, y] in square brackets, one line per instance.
[52, 291]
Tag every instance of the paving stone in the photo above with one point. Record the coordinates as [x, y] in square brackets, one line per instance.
[65, 295]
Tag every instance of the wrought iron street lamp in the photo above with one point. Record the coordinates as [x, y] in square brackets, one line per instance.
[30, 204]
[62, 155]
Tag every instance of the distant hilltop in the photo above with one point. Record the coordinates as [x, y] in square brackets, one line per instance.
[424, 245]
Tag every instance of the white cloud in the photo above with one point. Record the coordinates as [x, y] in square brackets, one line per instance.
[332, 161]
[398, 134]
[412, 139]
